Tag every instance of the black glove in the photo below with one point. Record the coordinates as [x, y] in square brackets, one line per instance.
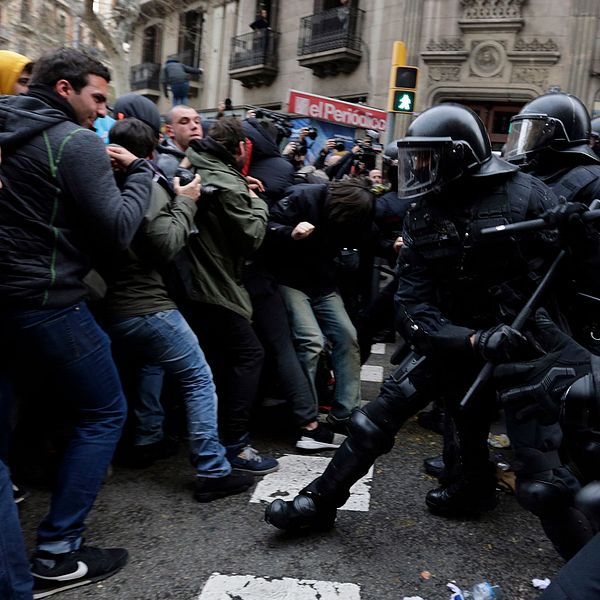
[499, 344]
[579, 237]
[536, 387]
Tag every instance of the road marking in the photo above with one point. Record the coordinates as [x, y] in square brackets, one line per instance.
[371, 373]
[296, 472]
[249, 587]
[377, 348]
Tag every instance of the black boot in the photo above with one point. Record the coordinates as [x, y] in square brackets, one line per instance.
[434, 466]
[432, 419]
[463, 497]
[300, 513]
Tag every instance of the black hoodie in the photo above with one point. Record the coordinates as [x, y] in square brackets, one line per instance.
[267, 164]
[59, 202]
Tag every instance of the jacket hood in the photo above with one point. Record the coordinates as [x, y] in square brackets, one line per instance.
[210, 146]
[23, 117]
[11, 66]
[263, 145]
[168, 147]
[140, 107]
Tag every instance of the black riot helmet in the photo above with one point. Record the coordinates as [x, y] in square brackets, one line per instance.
[555, 122]
[443, 144]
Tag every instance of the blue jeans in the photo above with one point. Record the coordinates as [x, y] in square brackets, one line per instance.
[68, 348]
[15, 578]
[180, 92]
[313, 319]
[165, 339]
[148, 409]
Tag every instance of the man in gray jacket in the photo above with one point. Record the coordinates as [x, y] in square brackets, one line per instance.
[58, 205]
[176, 76]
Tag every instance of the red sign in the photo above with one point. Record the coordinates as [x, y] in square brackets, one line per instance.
[337, 111]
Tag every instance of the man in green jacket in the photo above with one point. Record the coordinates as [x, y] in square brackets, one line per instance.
[231, 223]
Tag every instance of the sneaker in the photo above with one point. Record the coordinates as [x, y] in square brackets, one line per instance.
[211, 488]
[142, 457]
[320, 438]
[250, 461]
[19, 494]
[53, 573]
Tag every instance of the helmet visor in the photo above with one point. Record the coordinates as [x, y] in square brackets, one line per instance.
[419, 166]
[528, 135]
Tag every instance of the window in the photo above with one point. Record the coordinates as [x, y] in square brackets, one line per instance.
[152, 45]
[25, 11]
[190, 37]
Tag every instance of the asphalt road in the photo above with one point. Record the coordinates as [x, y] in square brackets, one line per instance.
[176, 544]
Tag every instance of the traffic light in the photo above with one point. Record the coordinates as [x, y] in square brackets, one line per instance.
[403, 86]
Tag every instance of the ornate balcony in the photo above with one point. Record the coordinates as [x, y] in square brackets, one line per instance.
[330, 41]
[145, 78]
[253, 58]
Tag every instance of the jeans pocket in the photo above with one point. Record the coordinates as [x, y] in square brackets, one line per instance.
[69, 336]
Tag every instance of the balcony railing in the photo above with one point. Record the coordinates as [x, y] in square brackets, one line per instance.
[253, 58]
[338, 27]
[145, 76]
[255, 48]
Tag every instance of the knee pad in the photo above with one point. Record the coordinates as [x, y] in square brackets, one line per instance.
[368, 431]
[542, 497]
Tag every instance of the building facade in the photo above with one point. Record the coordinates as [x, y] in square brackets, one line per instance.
[493, 55]
[31, 27]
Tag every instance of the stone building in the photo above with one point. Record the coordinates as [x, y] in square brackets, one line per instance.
[32, 27]
[493, 55]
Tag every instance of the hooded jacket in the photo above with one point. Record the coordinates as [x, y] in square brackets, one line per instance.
[231, 227]
[168, 158]
[11, 66]
[267, 164]
[59, 202]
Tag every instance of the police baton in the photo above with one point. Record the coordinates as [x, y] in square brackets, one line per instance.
[486, 372]
[537, 224]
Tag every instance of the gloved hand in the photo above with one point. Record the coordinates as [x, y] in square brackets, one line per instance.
[499, 344]
[535, 388]
[579, 237]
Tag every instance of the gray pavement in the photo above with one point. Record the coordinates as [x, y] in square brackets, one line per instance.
[175, 544]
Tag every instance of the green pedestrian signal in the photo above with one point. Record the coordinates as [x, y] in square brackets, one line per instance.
[403, 88]
[404, 101]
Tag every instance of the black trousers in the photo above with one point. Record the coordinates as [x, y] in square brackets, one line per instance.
[235, 356]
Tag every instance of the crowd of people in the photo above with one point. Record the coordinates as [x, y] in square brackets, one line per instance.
[202, 258]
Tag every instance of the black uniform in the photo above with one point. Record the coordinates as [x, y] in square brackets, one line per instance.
[453, 284]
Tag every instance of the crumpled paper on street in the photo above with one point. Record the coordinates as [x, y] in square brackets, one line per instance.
[540, 584]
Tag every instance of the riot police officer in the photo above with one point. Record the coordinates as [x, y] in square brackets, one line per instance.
[550, 138]
[457, 291]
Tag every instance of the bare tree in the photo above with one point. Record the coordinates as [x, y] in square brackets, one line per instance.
[114, 33]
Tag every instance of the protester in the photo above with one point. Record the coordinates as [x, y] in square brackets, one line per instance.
[231, 228]
[175, 77]
[15, 73]
[74, 209]
[182, 125]
[144, 322]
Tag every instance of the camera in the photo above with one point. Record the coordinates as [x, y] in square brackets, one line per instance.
[312, 133]
[282, 123]
[340, 146]
[186, 177]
